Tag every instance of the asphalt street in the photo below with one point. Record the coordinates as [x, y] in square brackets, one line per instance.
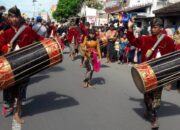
[56, 100]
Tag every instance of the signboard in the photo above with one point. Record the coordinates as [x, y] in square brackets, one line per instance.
[112, 3]
[90, 11]
[91, 19]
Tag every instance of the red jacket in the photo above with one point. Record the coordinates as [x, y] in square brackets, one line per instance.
[146, 42]
[27, 37]
[73, 32]
[177, 47]
[84, 31]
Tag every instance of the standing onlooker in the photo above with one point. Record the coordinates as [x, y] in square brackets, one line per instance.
[103, 42]
[177, 44]
[127, 53]
[123, 43]
[32, 22]
[111, 35]
[39, 28]
[117, 48]
[176, 38]
[3, 20]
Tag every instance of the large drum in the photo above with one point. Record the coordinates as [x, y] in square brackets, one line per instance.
[18, 65]
[157, 73]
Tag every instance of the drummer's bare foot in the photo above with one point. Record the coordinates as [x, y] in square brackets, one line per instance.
[89, 84]
[72, 57]
[85, 84]
[168, 87]
[81, 65]
[18, 119]
[154, 124]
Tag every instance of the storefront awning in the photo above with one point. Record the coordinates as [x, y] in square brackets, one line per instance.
[134, 8]
[113, 10]
[171, 10]
[126, 9]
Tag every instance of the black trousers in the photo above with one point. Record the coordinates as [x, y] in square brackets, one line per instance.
[18, 90]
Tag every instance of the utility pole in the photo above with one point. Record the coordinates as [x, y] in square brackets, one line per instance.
[34, 7]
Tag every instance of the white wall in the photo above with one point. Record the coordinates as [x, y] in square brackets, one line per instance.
[173, 1]
[139, 2]
[156, 4]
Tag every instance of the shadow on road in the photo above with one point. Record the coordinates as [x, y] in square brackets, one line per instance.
[104, 66]
[53, 69]
[38, 78]
[77, 57]
[166, 108]
[98, 80]
[43, 75]
[47, 102]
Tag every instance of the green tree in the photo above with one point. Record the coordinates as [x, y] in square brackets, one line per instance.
[94, 4]
[67, 8]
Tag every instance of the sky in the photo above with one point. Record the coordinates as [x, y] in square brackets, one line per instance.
[26, 6]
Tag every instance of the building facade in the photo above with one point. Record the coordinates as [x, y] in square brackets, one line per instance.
[144, 9]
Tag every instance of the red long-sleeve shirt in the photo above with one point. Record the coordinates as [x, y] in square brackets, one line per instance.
[27, 37]
[84, 31]
[147, 42]
[73, 32]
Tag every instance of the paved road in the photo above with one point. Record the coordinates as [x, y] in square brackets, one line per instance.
[56, 100]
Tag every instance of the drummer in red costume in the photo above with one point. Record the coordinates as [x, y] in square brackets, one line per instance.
[73, 38]
[151, 99]
[84, 29]
[17, 93]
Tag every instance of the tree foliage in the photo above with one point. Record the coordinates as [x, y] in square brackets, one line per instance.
[70, 8]
[94, 4]
[67, 8]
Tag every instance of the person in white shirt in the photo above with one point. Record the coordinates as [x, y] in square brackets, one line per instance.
[39, 27]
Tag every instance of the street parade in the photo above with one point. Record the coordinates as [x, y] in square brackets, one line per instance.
[89, 64]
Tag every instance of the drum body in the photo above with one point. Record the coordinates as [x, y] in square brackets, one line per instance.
[156, 73]
[18, 65]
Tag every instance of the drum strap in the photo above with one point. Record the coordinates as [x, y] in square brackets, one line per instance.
[21, 29]
[38, 28]
[150, 51]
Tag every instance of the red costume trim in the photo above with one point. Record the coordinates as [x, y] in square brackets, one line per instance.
[6, 74]
[148, 76]
[53, 50]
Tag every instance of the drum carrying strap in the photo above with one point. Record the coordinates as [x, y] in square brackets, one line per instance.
[21, 29]
[150, 51]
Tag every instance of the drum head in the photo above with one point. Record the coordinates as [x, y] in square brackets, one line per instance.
[138, 80]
